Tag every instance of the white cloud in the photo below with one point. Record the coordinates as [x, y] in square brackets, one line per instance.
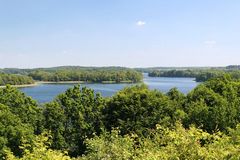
[140, 23]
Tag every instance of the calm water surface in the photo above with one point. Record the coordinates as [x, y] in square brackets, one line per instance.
[47, 92]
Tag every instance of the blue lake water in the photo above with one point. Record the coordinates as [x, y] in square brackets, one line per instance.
[47, 92]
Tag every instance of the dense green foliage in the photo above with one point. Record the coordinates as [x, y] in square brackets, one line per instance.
[97, 76]
[173, 73]
[78, 73]
[72, 117]
[200, 75]
[14, 79]
[12, 130]
[138, 109]
[39, 150]
[164, 143]
[136, 123]
[20, 117]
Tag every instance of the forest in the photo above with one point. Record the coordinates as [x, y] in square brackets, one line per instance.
[15, 76]
[201, 75]
[135, 123]
[14, 79]
[73, 73]
[99, 76]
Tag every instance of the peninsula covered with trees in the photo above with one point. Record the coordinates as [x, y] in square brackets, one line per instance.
[15, 79]
[92, 76]
[73, 74]
[135, 123]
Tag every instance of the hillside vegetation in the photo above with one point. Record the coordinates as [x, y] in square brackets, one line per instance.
[135, 123]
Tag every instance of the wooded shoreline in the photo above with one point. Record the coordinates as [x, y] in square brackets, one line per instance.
[65, 82]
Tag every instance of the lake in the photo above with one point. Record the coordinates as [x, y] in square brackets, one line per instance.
[47, 92]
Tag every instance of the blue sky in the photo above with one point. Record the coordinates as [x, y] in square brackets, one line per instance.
[132, 33]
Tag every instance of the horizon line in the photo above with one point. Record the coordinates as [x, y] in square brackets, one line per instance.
[119, 66]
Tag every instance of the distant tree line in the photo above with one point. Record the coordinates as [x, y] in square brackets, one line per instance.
[135, 123]
[233, 67]
[14, 79]
[78, 73]
[60, 68]
[200, 75]
[93, 76]
[173, 73]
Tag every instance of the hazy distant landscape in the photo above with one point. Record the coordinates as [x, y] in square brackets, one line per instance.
[79, 74]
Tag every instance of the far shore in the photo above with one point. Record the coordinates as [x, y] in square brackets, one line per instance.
[22, 85]
[59, 82]
[64, 82]
[82, 82]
